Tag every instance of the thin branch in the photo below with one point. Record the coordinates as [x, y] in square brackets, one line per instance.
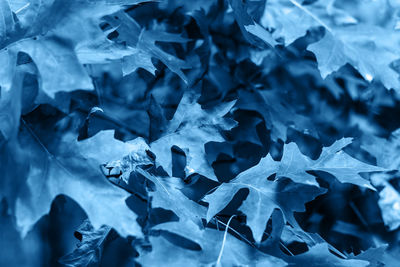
[224, 240]
[236, 232]
[22, 8]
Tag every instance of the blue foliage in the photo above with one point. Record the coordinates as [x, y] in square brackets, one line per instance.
[199, 133]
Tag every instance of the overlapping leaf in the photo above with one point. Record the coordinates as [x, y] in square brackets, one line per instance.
[44, 32]
[212, 242]
[190, 129]
[69, 172]
[277, 114]
[168, 196]
[241, 59]
[367, 47]
[265, 195]
[385, 152]
[144, 48]
[90, 248]
[332, 160]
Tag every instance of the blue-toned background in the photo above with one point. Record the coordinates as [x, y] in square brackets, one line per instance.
[199, 133]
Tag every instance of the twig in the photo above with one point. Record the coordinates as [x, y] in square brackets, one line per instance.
[224, 240]
[236, 232]
[22, 8]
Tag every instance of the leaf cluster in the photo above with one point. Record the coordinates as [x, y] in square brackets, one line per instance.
[199, 133]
